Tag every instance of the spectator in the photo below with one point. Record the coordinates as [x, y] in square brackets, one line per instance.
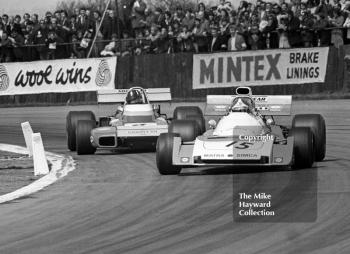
[337, 21]
[236, 42]
[188, 20]
[200, 32]
[217, 42]
[185, 40]
[323, 34]
[293, 26]
[17, 42]
[110, 49]
[6, 48]
[138, 15]
[255, 39]
[307, 24]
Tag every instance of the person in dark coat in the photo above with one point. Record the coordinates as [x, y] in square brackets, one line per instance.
[217, 42]
[138, 15]
[293, 30]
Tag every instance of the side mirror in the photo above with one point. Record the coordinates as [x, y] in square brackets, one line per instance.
[270, 122]
[156, 108]
[212, 124]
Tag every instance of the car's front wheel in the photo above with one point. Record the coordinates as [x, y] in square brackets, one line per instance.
[83, 133]
[164, 154]
[304, 155]
[317, 125]
[71, 124]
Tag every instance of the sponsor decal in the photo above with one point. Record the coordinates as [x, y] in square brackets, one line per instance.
[247, 155]
[214, 156]
[142, 132]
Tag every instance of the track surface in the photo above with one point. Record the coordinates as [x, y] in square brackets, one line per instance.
[118, 203]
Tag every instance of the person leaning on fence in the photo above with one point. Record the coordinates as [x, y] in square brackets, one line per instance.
[111, 48]
[184, 40]
[6, 48]
[323, 33]
[217, 42]
[236, 42]
[255, 39]
[337, 22]
[17, 42]
[306, 25]
[200, 32]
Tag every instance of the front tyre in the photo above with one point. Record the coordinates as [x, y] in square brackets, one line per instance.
[83, 133]
[71, 124]
[318, 127]
[164, 154]
[303, 147]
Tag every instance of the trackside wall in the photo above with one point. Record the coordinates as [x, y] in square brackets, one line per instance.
[175, 71]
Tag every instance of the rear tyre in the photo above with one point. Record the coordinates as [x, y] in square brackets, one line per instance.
[191, 113]
[83, 133]
[164, 154]
[71, 123]
[303, 147]
[318, 128]
[104, 121]
[188, 130]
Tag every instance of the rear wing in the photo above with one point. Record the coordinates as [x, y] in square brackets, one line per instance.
[270, 105]
[118, 95]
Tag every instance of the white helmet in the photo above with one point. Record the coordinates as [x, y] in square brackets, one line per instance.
[243, 104]
[239, 106]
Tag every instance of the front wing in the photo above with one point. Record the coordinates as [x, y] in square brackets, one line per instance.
[279, 155]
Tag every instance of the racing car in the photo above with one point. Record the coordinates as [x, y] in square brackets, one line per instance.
[244, 133]
[136, 124]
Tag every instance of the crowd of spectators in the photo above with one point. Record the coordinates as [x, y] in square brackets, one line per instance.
[259, 25]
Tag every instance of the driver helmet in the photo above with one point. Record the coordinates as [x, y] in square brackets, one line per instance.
[242, 105]
[134, 97]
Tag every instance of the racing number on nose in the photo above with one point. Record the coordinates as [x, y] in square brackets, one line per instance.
[241, 145]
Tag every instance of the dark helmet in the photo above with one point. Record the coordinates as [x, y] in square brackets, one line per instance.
[132, 96]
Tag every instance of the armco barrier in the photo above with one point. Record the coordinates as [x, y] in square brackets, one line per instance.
[175, 71]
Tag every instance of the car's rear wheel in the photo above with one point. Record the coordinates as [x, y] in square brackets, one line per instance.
[188, 130]
[83, 133]
[71, 123]
[318, 127]
[303, 147]
[164, 154]
[104, 121]
[191, 113]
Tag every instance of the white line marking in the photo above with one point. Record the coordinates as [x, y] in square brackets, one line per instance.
[61, 166]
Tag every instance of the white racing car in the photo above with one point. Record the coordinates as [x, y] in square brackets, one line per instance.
[136, 124]
[246, 134]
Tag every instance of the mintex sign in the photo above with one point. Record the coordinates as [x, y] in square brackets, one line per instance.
[257, 68]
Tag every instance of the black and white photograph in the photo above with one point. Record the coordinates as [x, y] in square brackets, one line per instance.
[175, 127]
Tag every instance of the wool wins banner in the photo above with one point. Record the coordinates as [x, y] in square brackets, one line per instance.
[260, 68]
[58, 76]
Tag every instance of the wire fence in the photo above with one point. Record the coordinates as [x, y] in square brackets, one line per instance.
[80, 48]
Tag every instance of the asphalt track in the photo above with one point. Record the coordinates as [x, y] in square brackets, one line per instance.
[118, 203]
